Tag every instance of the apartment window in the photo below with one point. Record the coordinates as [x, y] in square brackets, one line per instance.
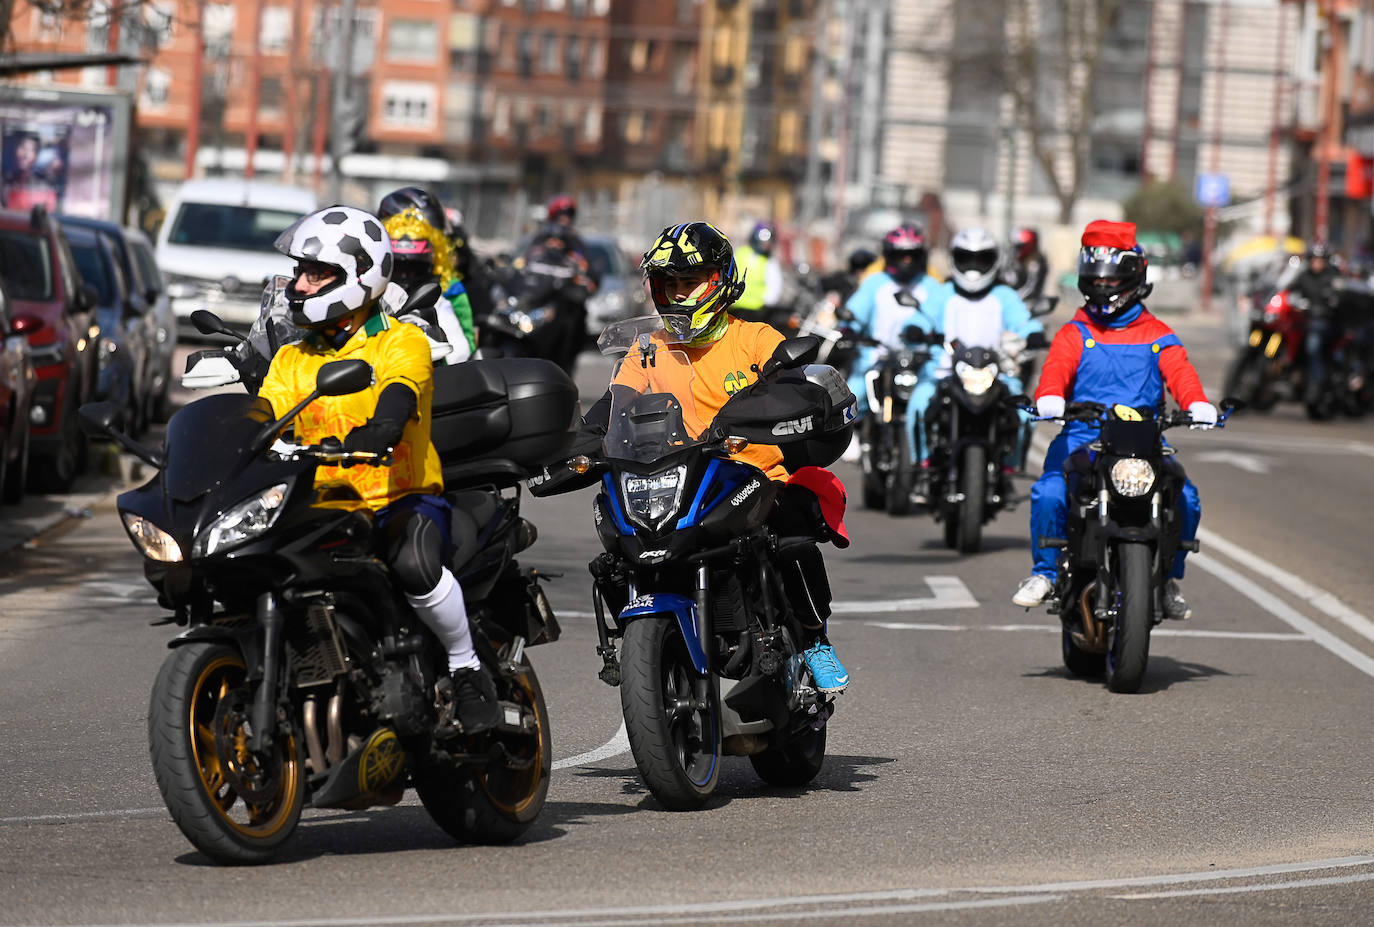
[500, 117]
[684, 69]
[159, 19]
[686, 9]
[548, 54]
[270, 96]
[219, 27]
[601, 7]
[578, 7]
[412, 40]
[554, 6]
[155, 88]
[572, 57]
[524, 54]
[633, 127]
[276, 29]
[596, 57]
[591, 123]
[543, 120]
[639, 55]
[409, 105]
[788, 131]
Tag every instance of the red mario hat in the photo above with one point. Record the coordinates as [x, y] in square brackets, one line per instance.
[1103, 234]
[829, 492]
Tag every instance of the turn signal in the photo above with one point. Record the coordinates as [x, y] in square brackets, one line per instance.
[735, 445]
[580, 464]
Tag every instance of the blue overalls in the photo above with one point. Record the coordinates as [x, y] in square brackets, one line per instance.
[1108, 374]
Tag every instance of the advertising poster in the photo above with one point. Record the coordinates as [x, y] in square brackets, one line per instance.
[66, 150]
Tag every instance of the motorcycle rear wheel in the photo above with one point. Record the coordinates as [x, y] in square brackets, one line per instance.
[964, 530]
[1078, 661]
[196, 720]
[792, 762]
[675, 745]
[1128, 649]
[874, 483]
[497, 803]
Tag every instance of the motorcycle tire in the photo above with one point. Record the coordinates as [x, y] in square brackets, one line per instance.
[791, 762]
[496, 803]
[873, 483]
[16, 474]
[964, 527]
[201, 692]
[677, 750]
[902, 477]
[1128, 649]
[1247, 379]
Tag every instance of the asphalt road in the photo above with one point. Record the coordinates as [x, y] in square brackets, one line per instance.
[969, 781]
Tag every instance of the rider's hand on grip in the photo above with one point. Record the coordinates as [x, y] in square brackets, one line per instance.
[1204, 415]
[1050, 406]
[377, 436]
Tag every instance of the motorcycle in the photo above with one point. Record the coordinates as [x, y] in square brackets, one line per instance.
[539, 310]
[1123, 531]
[972, 427]
[1272, 363]
[885, 452]
[1348, 387]
[695, 576]
[303, 678]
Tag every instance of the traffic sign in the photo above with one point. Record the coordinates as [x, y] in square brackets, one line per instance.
[1212, 190]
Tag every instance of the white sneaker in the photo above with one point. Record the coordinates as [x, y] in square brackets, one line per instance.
[853, 452]
[1032, 591]
[1175, 605]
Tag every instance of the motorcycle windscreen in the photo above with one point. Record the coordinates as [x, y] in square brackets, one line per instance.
[621, 337]
[653, 412]
[273, 327]
[204, 439]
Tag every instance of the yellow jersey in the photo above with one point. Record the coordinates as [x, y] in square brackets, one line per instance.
[718, 371]
[398, 353]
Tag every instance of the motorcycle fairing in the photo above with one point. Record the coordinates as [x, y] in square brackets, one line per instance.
[680, 607]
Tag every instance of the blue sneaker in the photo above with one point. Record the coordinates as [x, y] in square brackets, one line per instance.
[826, 669]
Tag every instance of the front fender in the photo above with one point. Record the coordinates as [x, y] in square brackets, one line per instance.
[244, 637]
[680, 607]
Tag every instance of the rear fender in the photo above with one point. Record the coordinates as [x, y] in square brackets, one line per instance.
[679, 607]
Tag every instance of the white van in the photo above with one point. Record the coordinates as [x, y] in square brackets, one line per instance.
[215, 246]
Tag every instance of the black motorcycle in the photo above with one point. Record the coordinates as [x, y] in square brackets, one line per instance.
[540, 310]
[1123, 530]
[708, 590]
[886, 457]
[303, 677]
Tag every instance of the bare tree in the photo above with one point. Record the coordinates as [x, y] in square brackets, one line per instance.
[65, 11]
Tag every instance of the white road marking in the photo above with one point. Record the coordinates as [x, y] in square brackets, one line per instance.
[849, 904]
[947, 592]
[1250, 463]
[1291, 443]
[1055, 629]
[1239, 889]
[83, 815]
[617, 745]
[1284, 612]
[1313, 595]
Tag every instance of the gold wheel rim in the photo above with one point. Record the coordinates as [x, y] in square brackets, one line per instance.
[265, 820]
[524, 782]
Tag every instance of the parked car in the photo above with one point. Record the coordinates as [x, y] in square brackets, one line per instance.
[124, 339]
[148, 296]
[17, 383]
[621, 292]
[55, 311]
[215, 246]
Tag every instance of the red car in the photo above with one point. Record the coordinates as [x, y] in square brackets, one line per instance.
[55, 311]
[17, 381]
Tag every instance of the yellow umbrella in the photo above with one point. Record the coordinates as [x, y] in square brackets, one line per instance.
[1263, 246]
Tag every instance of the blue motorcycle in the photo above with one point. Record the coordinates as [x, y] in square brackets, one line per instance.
[708, 584]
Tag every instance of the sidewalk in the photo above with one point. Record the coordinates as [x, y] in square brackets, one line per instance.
[109, 474]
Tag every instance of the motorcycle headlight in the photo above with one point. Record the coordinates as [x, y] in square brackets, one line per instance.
[105, 357]
[651, 500]
[1132, 476]
[976, 380]
[243, 522]
[151, 541]
[904, 379]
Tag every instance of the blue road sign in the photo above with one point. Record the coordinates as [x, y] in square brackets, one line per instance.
[1212, 190]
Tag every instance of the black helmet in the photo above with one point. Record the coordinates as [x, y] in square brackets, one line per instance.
[688, 249]
[904, 250]
[1111, 279]
[398, 201]
[1319, 250]
[860, 259]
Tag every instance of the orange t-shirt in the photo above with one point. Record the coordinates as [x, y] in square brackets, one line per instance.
[719, 370]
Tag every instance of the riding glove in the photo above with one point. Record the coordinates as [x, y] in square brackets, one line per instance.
[376, 436]
[1050, 406]
[1204, 415]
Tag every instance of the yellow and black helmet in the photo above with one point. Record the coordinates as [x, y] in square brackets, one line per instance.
[689, 249]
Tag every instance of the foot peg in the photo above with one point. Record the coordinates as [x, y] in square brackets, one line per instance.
[1191, 546]
[610, 671]
[1054, 543]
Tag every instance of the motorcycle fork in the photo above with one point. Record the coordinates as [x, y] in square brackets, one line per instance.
[701, 685]
[264, 713]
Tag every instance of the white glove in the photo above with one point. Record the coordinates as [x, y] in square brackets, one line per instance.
[1050, 406]
[1204, 415]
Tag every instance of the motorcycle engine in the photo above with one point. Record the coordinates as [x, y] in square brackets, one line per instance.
[400, 702]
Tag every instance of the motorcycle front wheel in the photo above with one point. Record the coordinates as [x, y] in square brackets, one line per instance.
[874, 483]
[496, 803]
[1247, 379]
[903, 474]
[1129, 647]
[235, 806]
[676, 744]
[964, 527]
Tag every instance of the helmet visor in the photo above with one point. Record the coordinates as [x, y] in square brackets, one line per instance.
[977, 262]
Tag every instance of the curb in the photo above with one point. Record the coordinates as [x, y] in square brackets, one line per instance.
[110, 473]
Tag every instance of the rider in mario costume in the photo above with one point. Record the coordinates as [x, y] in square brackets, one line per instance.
[1113, 351]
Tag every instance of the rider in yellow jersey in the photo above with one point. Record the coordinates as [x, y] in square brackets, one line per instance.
[344, 262]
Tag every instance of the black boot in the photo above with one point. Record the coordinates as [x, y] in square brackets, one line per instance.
[470, 701]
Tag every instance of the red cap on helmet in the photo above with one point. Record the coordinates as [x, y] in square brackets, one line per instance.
[1103, 234]
[562, 204]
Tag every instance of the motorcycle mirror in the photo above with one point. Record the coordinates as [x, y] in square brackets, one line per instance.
[98, 421]
[905, 298]
[1020, 399]
[794, 352]
[843, 314]
[340, 378]
[914, 334]
[207, 323]
[1231, 404]
[1044, 306]
[424, 297]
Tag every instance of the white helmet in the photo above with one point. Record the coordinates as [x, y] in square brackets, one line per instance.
[975, 256]
[349, 239]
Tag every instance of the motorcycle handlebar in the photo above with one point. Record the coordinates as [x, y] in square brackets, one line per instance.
[333, 453]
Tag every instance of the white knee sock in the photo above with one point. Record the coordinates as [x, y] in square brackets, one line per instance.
[443, 610]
